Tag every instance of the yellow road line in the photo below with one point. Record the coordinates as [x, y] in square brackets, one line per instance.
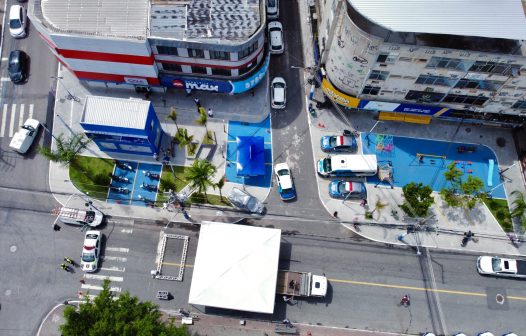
[446, 291]
[176, 264]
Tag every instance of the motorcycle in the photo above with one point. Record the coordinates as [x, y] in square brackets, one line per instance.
[120, 190]
[467, 237]
[149, 187]
[118, 178]
[146, 200]
[124, 166]
[153, 176]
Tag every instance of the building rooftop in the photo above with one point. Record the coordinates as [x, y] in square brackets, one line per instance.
[199, 20]
[503, 19]
[115, 112]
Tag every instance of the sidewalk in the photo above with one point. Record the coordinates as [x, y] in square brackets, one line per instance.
[246, 108]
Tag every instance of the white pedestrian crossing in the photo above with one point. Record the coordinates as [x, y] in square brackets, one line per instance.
[13, 116]
[103, 277]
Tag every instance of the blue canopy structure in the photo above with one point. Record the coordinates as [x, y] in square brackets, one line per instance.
[250, 155]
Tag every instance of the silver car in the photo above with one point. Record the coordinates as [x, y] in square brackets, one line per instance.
[245, 201]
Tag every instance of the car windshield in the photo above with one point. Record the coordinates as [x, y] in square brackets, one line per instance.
[332, 141]
[283, 172]
[252, 204]
[341, 188]
[272, 3]
[279, 85]
[495, 263]
[327, 164]
[91, 236]
[15, 23]
[88, 257]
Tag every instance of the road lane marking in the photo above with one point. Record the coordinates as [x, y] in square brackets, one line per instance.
[12, 121]
[127, 231]
[31, 107]
[21, 116]
[4, 59]
[103, 277]
[113, 269]
[176, 264]
[4, 116]
[118, 249]
[445, 291]
[112, 289]
[121, 259]
[5, 79]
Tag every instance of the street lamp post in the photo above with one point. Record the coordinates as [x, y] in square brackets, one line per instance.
[70, 96]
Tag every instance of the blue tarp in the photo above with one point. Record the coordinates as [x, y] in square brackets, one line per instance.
[250, 156]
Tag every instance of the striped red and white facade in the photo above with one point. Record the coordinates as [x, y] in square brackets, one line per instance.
[135, 42]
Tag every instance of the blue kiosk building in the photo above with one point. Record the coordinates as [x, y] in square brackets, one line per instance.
[122, 125]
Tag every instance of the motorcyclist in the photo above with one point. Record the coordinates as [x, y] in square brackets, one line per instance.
[405, 300]
[69, 260]
[64, 267]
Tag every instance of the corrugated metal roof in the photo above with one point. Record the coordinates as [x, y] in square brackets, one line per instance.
[117, 112]
[126, 18]
[206, 19]
[484, 18]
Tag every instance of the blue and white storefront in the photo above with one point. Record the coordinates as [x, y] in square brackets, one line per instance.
[190, 83]
[122, 125]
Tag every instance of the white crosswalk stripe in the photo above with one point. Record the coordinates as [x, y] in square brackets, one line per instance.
[99, 288]
[121, 259]
[103, 277]
[113, 269]
[14, 117]
[118, 249]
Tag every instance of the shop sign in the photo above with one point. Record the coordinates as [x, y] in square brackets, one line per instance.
[136, 81]
[252, 81]
[188, 83]
[337, 96]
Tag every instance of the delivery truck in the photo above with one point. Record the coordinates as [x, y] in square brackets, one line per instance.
[301, 284]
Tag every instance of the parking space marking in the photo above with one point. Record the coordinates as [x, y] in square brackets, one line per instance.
[31, 107]
[112, 289]
[113, 269]
[4, 59]
[12, 121]
[4, 116]
[121, 259]
[118, 249]
[103, 277]
[21, 116]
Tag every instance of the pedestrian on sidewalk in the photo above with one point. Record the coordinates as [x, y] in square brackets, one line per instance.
[197, 102]
[286, 298]
[210, 113]
[56, 227]
[335, 214]
[363, 203]
[156, 156]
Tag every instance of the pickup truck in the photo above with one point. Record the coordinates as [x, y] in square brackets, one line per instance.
[25, 136]
[504, 267]
[301, 284]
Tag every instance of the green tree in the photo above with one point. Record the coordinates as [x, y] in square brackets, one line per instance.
[203, 119]
[200, 176]
[418, 199]
[220, 184]
[173, 117]
[461, 193]
[68, 149]
[183, 138]
[378, 206]
[109, 316]
[519, 207]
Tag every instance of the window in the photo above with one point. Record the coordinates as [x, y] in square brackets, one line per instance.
[167, 50]
[449, 63]
[387, 58]
[371, 90]
[435, 80]
[172, 67]
[521, 104]
[246, 52]
[494, 68]
[479, 84]
[196, 53]
[467, 100]
[247, 68]
[379, 75]
[198, 69]
[424, 96]
[220, 55]
[221, 72]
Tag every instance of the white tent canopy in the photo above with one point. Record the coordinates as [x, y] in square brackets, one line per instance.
[236, 267]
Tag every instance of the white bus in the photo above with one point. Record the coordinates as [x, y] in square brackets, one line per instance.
[348, 165]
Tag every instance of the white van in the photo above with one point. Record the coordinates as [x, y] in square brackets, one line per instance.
[91, 218]
[348, 165]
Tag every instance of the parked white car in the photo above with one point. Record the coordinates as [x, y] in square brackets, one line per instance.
[25, 136]
[17, 21]
[285, 183]
[275, 37]
[272, 9]
[278, 93]
[245, 201]
[89, 260]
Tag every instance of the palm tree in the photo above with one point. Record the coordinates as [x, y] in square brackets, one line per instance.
[183, 138]
[68, 149]
[200, 176]
[203, 119]
[378, 206]
[173, 117]
[220, 184]
[519, 207]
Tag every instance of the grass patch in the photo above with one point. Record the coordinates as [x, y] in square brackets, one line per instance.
[177, 182]
[208, 139]
[212, 199]
[90, 175]
[499, 209]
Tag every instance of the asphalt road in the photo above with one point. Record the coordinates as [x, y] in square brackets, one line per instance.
[28, 172]
[290, 130]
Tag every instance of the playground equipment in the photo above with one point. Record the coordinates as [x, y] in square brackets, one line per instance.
[421, 155]
[384, 143]
[385, 174]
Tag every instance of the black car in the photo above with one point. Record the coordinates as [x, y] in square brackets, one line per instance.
[18, 66]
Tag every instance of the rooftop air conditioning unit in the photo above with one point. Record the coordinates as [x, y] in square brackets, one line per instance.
[429, 89]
